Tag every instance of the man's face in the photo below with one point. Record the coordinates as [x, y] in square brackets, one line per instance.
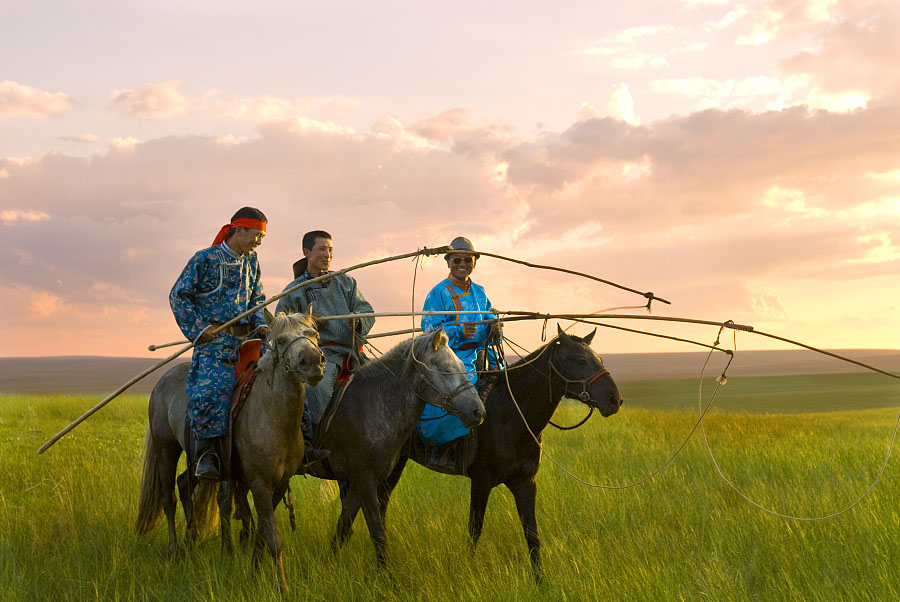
[461, 266]
[319, 257]
[245, 240]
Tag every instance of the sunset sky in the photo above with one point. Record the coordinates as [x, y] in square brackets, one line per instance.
[741, 159]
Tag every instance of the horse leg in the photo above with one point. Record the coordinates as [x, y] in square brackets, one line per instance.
[368, 496]
[185, 493]
[243, 513]
[167, 475]
[225, 499]
[386, 487]
[524, 491]
[478, 501]
[267, 531]
[349, 509]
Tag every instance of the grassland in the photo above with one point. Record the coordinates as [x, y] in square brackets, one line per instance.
[801, 445]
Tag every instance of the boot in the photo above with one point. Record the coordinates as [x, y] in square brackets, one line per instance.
[311, 455]
[207, 459]
[443, 458]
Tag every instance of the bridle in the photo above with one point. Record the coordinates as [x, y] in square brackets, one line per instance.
[584, 396]
[278, 354]
[446, 397]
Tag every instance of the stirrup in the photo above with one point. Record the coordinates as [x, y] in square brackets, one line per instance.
[208, 475]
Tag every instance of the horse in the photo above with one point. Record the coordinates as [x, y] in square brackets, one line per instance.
[505, 451]
[368, 423]
[266, 440]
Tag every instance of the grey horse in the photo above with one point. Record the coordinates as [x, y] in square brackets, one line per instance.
[266, 438]
[367, 425]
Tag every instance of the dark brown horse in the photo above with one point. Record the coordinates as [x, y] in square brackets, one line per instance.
[506, 452]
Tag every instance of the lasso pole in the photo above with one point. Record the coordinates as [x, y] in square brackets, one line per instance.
[109, 398]
[120, 390]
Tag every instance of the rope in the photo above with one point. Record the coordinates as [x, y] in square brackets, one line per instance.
[807, 518]
[649, 476]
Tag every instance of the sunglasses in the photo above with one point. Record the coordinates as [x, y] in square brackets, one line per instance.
[459, 260]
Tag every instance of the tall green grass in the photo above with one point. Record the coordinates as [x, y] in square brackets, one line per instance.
[66, 516]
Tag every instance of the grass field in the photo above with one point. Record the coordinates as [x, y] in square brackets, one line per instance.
[802, 445]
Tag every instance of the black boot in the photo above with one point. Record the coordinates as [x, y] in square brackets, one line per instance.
[207, 459]
[311, 455]
[443, 458]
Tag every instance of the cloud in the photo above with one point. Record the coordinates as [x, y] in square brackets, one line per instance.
[80, 138]
[713, 209]
[151, 101]
[856, 52]
[11, 217]
[759, 93]
[621, 104]
[627, 49]
[17, 100]
[165, 101]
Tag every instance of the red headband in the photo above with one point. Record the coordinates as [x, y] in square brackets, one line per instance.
[247, 222]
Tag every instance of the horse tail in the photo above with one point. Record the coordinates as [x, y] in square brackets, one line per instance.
[206, 512]
[150, 506]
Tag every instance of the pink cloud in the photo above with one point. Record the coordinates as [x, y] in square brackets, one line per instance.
[17, 100]
[151, 101]
[705, 209]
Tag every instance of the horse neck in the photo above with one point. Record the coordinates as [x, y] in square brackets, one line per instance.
[391, 399]
[277, 395]
[535, 391]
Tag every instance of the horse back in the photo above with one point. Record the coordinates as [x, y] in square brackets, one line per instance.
[168, 405]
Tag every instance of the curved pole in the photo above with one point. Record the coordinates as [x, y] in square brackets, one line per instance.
[120, 390]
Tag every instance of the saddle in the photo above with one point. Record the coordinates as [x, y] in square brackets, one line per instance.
[453, 457]
[456, 456]
[245, 373]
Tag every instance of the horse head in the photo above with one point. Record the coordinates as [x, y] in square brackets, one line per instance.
[582, 374]
[294, 345]
[443, 381]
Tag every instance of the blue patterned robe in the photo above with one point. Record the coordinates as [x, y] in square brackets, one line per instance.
[216, 285]
[449, 295]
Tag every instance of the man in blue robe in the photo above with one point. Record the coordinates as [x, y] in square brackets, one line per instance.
[457, 292]
[340, 340]
[218, 284]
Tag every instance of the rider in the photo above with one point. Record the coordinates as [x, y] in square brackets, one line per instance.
[458, 292]
[340, 340]
[218, 284]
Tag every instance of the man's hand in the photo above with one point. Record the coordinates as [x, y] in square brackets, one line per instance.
[469, 330]
[263, 331]
[496, 330]
[206, 336]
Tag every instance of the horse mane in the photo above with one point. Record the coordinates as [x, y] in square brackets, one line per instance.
[400, 355]
[279, 325]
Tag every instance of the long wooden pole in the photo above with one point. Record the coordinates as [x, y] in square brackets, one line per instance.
[109, 398]
[123, 388]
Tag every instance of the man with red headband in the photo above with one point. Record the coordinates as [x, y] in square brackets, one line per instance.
[218, 284]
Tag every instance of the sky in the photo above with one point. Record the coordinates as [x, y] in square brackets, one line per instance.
[740, 159]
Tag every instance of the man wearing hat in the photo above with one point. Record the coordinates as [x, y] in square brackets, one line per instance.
[457, 292]
[340, 340]
[218, 284]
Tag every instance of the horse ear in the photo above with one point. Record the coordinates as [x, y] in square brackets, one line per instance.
[268, 317]
[437, 338]
[309, 311]
[590, 337]
[560, 333]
